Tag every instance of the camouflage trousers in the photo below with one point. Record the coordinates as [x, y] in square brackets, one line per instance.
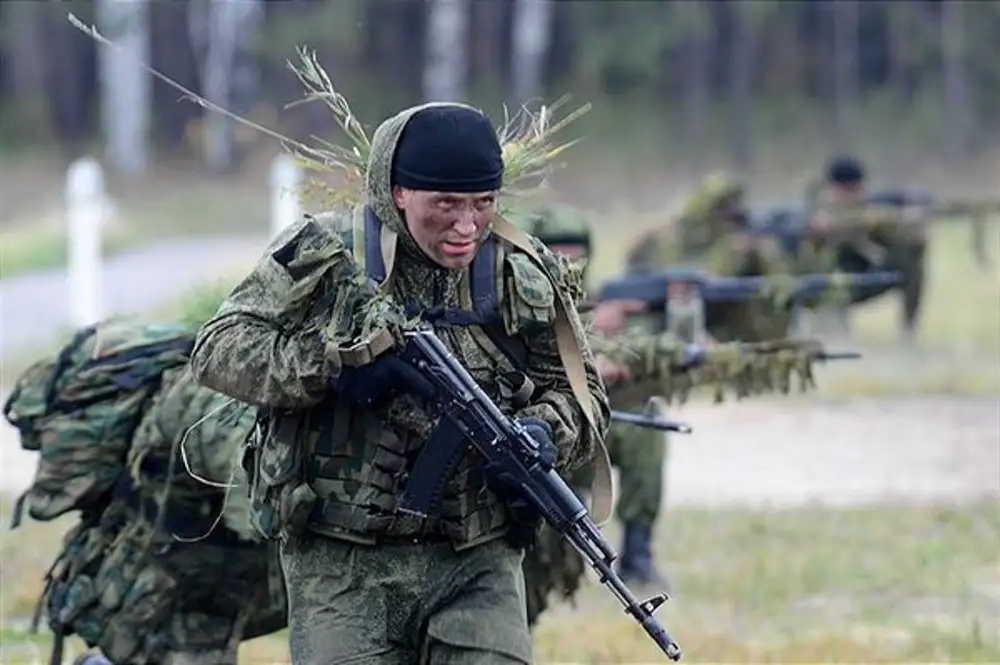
[403, 604]
[639, 455]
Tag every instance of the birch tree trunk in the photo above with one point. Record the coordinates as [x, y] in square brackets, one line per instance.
[531, 36]
[126, 88]
[445, 64]
[957, 112]
[219, 31]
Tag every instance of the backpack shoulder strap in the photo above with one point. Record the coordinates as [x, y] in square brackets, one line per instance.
[483, 278]
[374, 260]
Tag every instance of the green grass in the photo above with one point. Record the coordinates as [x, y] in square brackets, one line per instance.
[37, 240]
[25, 249]
[870, 584]
[874, 584]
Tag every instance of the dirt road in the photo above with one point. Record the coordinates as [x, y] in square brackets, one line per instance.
[797, 450]
[34, 307]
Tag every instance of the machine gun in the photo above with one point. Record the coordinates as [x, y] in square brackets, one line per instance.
[976, 211]
[653, 288]
[504, 442]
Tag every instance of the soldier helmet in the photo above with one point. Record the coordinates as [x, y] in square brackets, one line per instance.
[717, 187]
[845, 170]
[557, 224]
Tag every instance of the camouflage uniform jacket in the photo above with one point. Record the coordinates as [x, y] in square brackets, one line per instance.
[340, 471]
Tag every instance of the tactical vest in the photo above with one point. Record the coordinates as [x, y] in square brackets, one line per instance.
[362, 473]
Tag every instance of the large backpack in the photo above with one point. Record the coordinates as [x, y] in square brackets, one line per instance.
[80, 408]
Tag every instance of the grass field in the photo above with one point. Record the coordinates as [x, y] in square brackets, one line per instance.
[874, 584]
[38, 241]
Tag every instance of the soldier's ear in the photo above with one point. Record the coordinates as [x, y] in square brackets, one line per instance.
[401, 196]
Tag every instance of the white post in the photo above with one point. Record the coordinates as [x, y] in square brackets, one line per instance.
[86, 207]
[285, 179]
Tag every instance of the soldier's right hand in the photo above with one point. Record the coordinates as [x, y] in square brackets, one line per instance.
[379, 381]
[610, 371]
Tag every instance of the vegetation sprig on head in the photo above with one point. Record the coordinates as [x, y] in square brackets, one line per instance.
[526, 138]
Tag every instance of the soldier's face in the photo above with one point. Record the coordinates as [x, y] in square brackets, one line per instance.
[572, 251]
[447, 227]
[851, 190]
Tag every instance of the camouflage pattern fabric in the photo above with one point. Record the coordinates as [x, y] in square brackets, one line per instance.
[434, 605]
[161, 574]
[79, 408]
[277, 341]
[702, 222]
[656, 365]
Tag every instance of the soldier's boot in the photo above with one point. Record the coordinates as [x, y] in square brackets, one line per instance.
[91, 659]
[636, 564]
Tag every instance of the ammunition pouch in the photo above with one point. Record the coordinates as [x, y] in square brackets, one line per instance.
[280, 498]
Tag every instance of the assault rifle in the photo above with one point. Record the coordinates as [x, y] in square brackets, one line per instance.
[976, 210]
[650, 422]
[652, 288]
[503, 441]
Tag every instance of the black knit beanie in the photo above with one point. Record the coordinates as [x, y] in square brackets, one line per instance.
[845, 170]
[448, 149]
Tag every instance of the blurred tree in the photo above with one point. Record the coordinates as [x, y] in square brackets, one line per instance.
[531, 35]
[170, 53]
[845, 71]
[126, 87]
[70, 73]
[25, 53]
[742, 17]
[695, 19]
[957, 112]
[445, 66]
[221, 32]
[488, 37]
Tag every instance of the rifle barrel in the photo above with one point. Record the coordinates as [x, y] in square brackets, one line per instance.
[649, 422]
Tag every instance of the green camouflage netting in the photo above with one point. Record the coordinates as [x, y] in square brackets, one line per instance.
[655, 363]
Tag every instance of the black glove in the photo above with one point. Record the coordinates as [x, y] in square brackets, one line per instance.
[381, 380]
[525, 519]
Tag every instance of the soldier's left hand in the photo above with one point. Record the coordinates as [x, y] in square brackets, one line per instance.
[610, 316]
